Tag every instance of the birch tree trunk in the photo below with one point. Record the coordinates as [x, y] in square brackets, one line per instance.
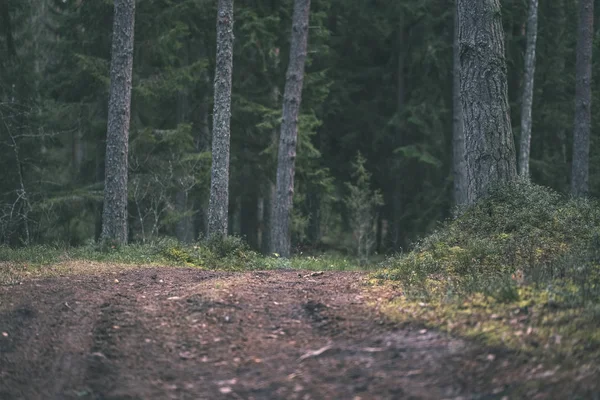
[286, 156]
[219, 181]
[527, 99]
[114, 216]
[583, 99]
[458, 136]
[490, 149]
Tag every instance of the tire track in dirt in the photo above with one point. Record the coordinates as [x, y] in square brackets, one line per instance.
[167, 333]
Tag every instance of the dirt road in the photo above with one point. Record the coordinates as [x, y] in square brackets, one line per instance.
[168, 333]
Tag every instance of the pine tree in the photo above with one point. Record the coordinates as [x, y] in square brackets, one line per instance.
[527, 98]
[459, 167]
[114, 218]
[286, 156]
[583, 99]
[219, 186]
[490, 151]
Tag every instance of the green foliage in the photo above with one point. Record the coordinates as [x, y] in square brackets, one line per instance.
[518, 227]
[520, 268]
[363, 203]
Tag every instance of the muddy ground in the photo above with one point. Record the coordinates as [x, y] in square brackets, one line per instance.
[166, 333]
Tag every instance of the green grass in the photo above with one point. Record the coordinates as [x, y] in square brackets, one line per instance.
[520, 269]
[230, 254]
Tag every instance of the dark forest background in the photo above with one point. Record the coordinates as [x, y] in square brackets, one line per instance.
[379, 81]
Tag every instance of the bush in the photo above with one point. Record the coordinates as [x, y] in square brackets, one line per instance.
[520, 232]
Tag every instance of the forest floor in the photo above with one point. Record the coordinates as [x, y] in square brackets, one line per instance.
[181, 333]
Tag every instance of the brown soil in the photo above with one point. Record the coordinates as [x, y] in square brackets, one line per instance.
[166, 333]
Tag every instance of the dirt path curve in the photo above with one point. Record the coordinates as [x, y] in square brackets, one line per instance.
[188, 334]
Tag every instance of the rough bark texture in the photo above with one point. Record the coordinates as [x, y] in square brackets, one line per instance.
[114, 217]
[527, 99]
[583, 99]
[459, 164]
[286, 156]
[490, 149]
[219, 182]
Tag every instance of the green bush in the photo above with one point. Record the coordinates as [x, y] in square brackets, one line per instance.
[520, 228]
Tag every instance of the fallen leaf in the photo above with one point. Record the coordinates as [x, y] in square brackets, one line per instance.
[227, 382]
[225, 390]
[186, 355]
[116, 281]
[5, 334]
[315, 353]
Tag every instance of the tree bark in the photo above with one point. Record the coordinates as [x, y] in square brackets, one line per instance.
[583, 99]
[458, 136]
[490, 149]
[527, 99]
[114, 219]
[219, 182]
[286, 157]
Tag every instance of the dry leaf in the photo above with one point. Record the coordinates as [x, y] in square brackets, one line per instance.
[315, 353]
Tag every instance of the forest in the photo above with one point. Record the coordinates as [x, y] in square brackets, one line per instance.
[300, 199]
[378, 82]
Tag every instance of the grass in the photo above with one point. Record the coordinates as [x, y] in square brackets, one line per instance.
[521, 269]
[230, 254]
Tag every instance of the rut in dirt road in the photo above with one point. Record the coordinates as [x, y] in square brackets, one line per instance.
[186, 334]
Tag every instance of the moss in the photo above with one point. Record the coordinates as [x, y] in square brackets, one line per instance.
[519, 269]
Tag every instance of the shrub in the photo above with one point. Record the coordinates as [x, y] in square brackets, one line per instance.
[520, 228]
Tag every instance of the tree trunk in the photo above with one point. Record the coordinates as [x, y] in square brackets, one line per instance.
[114, 219]
[527, 100]
[286, 157]
[583, 99]
[398, 193]
[219, 182]
[458, 135]
[184, 228]
[490, 149]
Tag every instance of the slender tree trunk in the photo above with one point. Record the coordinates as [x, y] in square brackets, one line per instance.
[490, 149]
[286, 157]
[219, 182]
[114, 218]
[184, 229]
[267, 214]
[458, 135]
[527, 99]
[397, 237]
[583, 99]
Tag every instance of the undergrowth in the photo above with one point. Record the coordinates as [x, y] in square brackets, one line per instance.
[229, 254]
[521, 268]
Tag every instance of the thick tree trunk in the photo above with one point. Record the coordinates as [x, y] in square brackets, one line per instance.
[219, 182]
[583, 99]
[458, 136]
[286, 157]
[490, 149]
[527, 99]
[114, 218]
